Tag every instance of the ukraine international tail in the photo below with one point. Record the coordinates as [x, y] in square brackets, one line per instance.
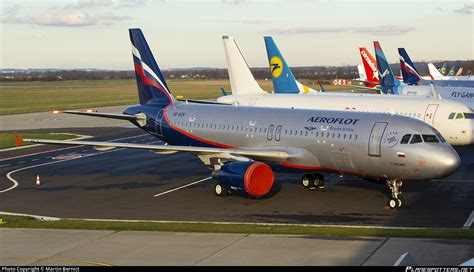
[409, 72]
[152, 87]
[283, 79]
[452, 71]
[388, 82]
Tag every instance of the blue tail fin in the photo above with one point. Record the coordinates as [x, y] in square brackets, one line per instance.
[224, 93]
[152, 88]
[409, 72]
[282, 77]
[443, 68]
[452, 71]
[388, 81]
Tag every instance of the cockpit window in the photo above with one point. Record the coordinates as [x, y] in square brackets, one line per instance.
[416, 139]
[405, 139]
[440, 137]
[459, 115]
[451, 115]
[469, 115]
[430, 138]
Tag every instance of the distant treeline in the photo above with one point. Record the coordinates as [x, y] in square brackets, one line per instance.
[309, 73]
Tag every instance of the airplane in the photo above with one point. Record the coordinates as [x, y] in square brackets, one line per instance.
[460, 80]
[443, 68]
[370, 67]
[245, 145]
[440, 113]
[281, 71]
[451, 71]
[411, 76]
[389, 84]
[459, 73]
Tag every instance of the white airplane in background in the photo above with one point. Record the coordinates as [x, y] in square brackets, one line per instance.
[435, 74]
[454, 120]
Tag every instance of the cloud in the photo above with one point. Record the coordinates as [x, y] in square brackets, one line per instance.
[11, 10]
[467, 9]
[136, 3]
[235, 2]
[438, 9]
[76, 18]
[380, 30]
[81, 4]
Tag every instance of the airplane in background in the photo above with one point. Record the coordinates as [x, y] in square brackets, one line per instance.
[281, 71]
[244, 145]
[440, 113]
[452, 70]
[390, 84]
[459, 73]
[436, 75]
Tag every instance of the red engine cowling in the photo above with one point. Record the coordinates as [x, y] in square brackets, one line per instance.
[252, 178]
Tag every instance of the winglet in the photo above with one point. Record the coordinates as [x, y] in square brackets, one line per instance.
[19, 140]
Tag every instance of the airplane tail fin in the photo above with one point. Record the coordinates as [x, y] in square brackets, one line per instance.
[434, 73]
[283, 79]
[152, 87]
[443, 69]
[451, 72]
[459, 72]
[224, 93]
[388, 81]
[370, 67]
[361, 70]
[240, 76]
[409, 73]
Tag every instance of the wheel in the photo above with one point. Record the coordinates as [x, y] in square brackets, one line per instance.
[400, 202]
[318, 181]
[220, 190]
[393, 203]
[307, 181]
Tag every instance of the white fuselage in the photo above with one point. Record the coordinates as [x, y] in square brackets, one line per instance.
[435, 112]
[464, 95]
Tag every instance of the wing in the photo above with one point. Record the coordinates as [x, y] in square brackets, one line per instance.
[209, 152]
[202, 101]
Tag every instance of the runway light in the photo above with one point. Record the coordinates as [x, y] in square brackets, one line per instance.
[38, 182]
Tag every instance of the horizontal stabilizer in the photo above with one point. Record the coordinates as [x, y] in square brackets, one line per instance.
[138, 118]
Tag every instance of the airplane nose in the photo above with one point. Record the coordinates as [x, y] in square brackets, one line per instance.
[449, 161]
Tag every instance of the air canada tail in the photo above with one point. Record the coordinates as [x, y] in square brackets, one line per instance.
[434, 73]
[388, 81]
[283, 79]
[152, 88]
[370, 67]
[409, 72]
[240, 76]
[452, 71]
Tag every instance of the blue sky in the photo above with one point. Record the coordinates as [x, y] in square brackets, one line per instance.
[186, 33]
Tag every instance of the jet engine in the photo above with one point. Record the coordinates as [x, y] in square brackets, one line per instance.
[252, 178]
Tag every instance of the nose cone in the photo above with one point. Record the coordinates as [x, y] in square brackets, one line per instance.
[448, 162]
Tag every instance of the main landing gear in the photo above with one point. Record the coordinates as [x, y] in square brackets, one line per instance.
[312, 181]
[396, 202]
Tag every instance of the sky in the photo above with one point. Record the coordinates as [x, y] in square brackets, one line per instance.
[185, 33]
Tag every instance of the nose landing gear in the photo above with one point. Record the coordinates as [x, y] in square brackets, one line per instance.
[312, 181]
[396, 202]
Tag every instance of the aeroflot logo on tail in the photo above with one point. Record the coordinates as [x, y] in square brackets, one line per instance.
[331, 120]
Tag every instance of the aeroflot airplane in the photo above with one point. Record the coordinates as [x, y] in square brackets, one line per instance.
[454, 120]
[244, 145]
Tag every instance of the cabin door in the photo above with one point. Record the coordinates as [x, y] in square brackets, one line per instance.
[430, 113]
[375, 139]
[158, 123]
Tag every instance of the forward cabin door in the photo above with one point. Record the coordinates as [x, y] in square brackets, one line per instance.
[430, 113]
[375, 139]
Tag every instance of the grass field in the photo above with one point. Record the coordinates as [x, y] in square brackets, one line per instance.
[28, 222]
[8, 140]
[38, 96]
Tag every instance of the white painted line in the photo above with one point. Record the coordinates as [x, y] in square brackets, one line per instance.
[184, 186]
[469, 221]
[38, 217]
[21, 162]
[15, 183]
[3, 165]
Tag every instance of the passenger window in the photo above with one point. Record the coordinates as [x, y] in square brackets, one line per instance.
[459, 116]
[270, 132]
[405, 139]
[430, 138]
[416, 139]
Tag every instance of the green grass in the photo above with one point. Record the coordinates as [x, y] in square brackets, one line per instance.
[38, 96]
[8, 140]
[28, 222]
